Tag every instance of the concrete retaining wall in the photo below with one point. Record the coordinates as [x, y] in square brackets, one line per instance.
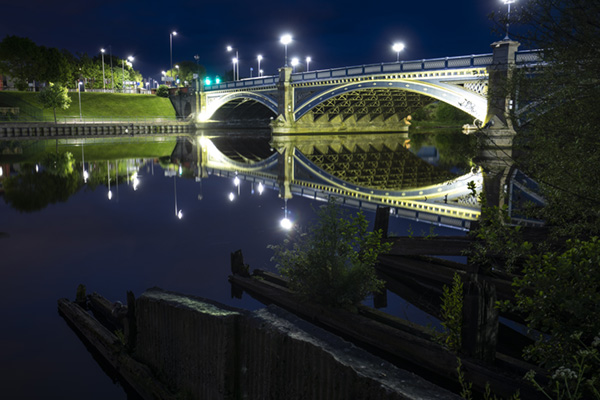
[45, 131]
[204, 350]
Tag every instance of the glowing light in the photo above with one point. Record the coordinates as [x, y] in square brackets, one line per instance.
[261, 188]
[179, 214]
[231, 196]
[110, 194]
[286, 39]
[85, 175]
[295, 61]
[398, 47]
[286, 224]
[1, 171]
[236, 181]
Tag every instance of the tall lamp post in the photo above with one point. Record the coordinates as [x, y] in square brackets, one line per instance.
[79, 92]
[103, 78]
[308, 60]
[508, 3]
[236, 65]
[285, 40]
[259, 58]
[398, 47]
[171, 49]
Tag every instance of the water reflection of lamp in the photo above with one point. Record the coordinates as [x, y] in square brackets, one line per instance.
[236, 182]
[135, 180]
[261, 188]
[285, 222]
[231, 196]
[84, 172]
[108, 178]
[178, 212]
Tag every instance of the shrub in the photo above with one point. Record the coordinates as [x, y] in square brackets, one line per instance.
[162, 91]
[333, 264]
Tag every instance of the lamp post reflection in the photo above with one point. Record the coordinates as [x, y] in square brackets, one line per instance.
[83, 171]
[286, 223]
[178, 212]
[108, 179]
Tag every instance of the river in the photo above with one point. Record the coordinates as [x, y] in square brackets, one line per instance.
[55, 239]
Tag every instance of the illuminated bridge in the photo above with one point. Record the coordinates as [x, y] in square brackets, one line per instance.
[366, 174]
[366, 98]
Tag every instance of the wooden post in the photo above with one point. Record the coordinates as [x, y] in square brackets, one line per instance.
[480, 317]
[130, 324]
[382, 221]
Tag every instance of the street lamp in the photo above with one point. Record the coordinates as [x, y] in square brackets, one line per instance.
[285, 40]
[508, 3]
[171, 49]
[398, 47]
[236, 68]
[103, 78]
[259, 58]
[308, 60]
[79, 91]
[295, 62]
[234, 61]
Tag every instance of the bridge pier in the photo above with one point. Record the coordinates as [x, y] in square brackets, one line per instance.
[495, 153]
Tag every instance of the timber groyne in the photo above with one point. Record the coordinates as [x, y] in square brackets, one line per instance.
[179, 346]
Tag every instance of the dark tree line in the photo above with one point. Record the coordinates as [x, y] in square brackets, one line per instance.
[25, 62]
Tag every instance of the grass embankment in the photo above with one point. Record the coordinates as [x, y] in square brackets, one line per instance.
[102, 105]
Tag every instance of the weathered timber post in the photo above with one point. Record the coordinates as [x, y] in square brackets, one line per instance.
[498, 133]
[480, 317]
[130, 325]
[382, 221]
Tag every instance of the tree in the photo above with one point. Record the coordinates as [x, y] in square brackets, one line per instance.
[558, 132]
[186, 72]
[55, 96]
[333, 264]
[19, 60]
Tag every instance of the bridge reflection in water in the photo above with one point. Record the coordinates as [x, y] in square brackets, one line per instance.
[364, 171]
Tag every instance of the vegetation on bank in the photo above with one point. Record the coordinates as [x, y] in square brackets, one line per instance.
[439, 115]
[556, 145]
[101, 105]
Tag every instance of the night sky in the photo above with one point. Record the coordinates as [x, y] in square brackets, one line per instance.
[333, 33]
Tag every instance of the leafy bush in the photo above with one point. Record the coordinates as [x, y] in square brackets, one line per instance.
[162, 91]
[452, 314]
[333, 264]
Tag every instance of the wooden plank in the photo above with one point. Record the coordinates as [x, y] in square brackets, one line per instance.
[108, 345]
[394, 341]
[434, 246]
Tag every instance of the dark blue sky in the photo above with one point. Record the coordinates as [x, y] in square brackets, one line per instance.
[334, 33]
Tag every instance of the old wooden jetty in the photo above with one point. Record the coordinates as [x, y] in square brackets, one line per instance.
[173, 346]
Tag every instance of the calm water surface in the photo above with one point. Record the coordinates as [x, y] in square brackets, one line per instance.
[133, 241]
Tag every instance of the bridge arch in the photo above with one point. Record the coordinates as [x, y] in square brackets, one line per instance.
[463, 99]
[214, 103]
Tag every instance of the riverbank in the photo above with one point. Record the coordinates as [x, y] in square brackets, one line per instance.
[106, 105]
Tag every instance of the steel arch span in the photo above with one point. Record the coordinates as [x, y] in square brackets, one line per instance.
[466, 100]
[216, 101]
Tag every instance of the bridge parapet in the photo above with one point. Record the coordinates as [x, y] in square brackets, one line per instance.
[522, 58]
